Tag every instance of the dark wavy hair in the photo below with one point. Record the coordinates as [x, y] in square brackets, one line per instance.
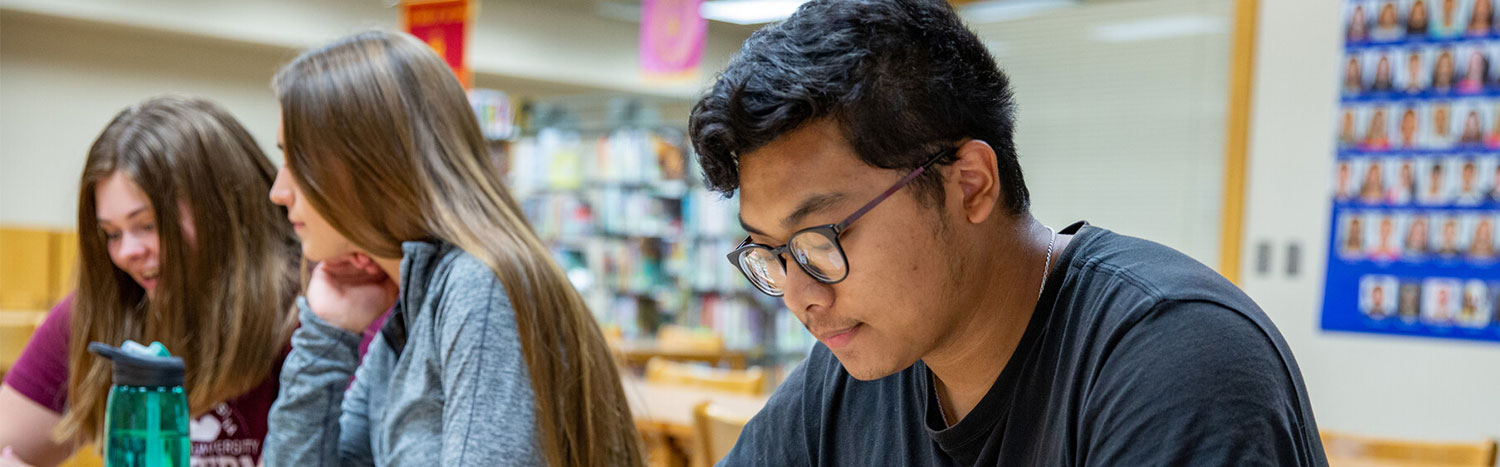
[902, 78]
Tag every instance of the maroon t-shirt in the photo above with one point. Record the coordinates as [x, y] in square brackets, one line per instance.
[230, 433]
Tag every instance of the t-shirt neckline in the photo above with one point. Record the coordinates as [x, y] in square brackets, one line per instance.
[996, 403]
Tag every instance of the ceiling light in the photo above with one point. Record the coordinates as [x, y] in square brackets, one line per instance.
[749, 11]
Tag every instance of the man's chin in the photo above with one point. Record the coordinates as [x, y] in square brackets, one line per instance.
[866, 368]
[870, 376]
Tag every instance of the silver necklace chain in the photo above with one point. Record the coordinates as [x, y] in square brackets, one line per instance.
[1047, 267]
[1046, 270]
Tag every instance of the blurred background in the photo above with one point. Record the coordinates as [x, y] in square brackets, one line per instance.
[1206, 125]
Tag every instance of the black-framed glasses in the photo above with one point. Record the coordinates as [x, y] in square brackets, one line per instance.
[815, 249]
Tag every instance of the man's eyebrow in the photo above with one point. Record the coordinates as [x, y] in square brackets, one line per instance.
[810, 205]
[749, 228]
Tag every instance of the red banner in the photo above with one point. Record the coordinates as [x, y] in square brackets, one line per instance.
[444, 25]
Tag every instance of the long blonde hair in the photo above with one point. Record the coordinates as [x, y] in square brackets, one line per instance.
[380, 137]
[224, 300]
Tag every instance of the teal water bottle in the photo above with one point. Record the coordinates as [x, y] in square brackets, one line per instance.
[146, 418]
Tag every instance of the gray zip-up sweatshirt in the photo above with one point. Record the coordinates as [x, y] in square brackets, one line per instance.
[455, 392]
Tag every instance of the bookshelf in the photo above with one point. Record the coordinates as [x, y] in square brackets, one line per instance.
[614, 191]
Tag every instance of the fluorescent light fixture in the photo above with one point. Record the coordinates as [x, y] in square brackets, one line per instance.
[995, 11]
[1164, 27]
[749, 11]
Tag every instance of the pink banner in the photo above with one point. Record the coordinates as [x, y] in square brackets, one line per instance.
[673, 34]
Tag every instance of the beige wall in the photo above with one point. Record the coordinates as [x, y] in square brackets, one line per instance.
[67, 66]
[61, 82]
[562, 42]
[1126, 135]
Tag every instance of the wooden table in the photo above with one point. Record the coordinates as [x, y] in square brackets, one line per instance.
[664, 415]
[636, 353]
[1338, 461]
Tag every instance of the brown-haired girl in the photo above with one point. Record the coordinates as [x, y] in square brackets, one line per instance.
[491, 357]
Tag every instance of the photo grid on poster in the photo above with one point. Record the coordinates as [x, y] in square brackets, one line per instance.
[1414, 247]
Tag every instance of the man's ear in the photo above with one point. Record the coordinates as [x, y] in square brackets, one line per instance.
[977, 180]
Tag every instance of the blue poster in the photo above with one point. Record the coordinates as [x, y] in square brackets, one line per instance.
[1416, 189]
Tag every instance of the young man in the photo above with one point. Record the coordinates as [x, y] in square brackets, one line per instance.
[871, 145]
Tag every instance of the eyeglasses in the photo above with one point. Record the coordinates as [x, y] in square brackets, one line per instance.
[815, 249]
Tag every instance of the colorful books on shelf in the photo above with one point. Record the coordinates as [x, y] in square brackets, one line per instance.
[643, 244]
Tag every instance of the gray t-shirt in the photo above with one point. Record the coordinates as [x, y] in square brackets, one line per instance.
[1135, 355]
[444, 383]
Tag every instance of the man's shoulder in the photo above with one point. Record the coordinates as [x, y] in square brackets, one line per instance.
[1122, 287]
[1108, 265]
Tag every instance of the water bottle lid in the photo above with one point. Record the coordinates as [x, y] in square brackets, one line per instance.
[136, 365]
